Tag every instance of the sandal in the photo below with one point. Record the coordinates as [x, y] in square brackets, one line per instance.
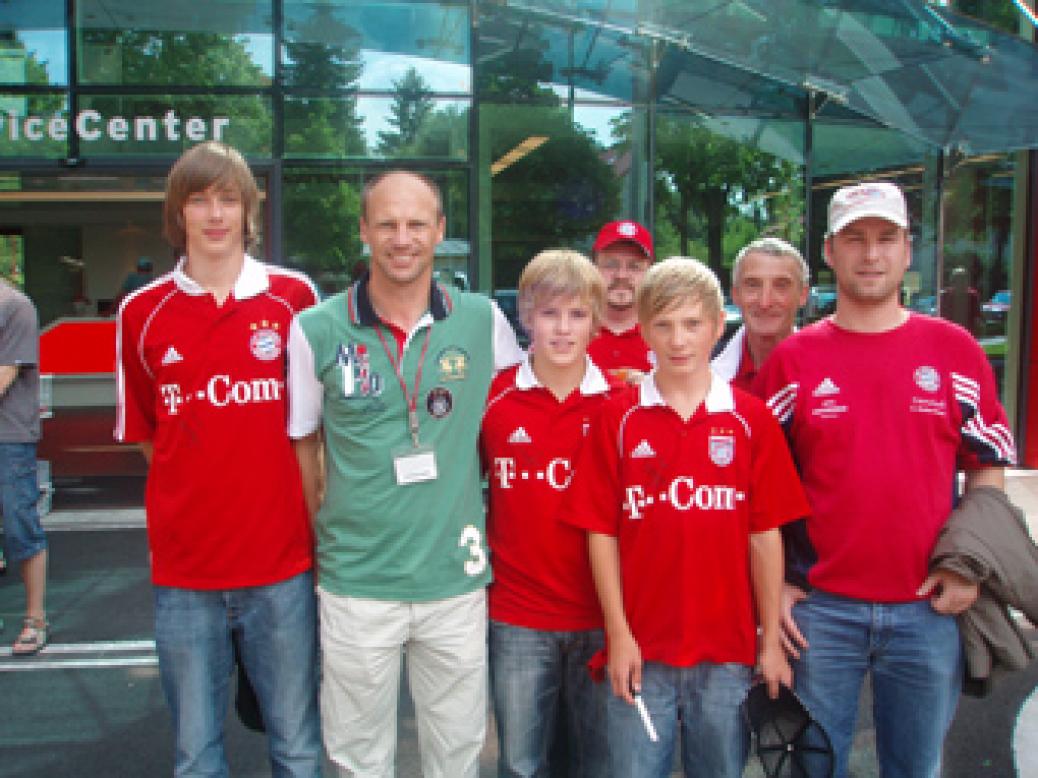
[32, 639]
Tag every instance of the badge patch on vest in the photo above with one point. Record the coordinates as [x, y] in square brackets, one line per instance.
[722, 449]
[358, 379]
[453, 363]
[439, 402]
[265, 342]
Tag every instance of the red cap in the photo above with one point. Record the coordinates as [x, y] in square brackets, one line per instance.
[625, 230]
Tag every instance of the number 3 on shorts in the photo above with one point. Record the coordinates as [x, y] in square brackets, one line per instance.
[472, 539]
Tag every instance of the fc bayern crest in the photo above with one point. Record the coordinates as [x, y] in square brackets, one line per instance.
[265, 344]
[722, 449]
[927, 378]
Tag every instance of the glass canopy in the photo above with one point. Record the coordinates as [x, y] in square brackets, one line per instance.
[945, 80]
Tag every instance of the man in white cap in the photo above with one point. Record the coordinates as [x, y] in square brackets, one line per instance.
[769, 284]
[881, 407]
[622, 252]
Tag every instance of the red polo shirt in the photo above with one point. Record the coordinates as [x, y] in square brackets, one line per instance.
[682, 498]
[626, 350]
[205, 384]
[530, 440]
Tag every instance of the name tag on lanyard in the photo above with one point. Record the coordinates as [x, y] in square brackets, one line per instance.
[414, 464]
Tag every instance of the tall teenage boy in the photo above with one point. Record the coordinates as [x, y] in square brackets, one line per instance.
[201, 365]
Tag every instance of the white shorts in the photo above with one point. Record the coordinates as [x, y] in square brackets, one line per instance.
[446, 650]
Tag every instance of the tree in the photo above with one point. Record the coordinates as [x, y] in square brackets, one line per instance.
[323, 126]
[177, 58]
[558, 194]
[412, 105]
[704, 178]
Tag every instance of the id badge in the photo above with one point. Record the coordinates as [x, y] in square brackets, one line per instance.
[414, 464]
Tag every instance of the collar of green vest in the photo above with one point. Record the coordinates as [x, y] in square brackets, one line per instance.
[362, 312]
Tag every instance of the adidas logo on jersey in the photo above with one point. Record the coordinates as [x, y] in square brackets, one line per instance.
[643, 451]
[826, 388]
[520, 436]
[172, 356]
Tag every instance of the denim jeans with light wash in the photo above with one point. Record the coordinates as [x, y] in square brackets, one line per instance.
[699, 704]
[19, 493]
[914, 657]
[277, 628]
[533, 675]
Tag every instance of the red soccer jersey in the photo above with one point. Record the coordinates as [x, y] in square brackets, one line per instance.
[620, 351]
[682, 498]
[205, 384]
[542, 576]
[877, 423]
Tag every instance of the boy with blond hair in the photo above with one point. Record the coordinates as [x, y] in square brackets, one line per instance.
[545, 623]
[682, 487]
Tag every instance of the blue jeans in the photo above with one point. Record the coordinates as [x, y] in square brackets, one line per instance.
[277, 630]
[703, 700]
[915, 659]
[19, 493]
[531, 673]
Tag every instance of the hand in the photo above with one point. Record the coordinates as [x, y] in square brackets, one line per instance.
[628, 375]
[949, 593]
[774, 668]
[793, 640]
[625, 666]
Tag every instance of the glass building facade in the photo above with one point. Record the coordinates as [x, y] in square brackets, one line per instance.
[540, 120]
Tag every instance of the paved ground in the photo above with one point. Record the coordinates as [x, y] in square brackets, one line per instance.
[91, 705]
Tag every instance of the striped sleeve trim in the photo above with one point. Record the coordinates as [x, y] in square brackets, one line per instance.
[781, 402]
[993, 442]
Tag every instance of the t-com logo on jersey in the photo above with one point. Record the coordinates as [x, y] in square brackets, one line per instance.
[557, 474]
[220, 391]
[682, 494]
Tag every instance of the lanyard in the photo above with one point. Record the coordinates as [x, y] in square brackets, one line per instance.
[410, 398]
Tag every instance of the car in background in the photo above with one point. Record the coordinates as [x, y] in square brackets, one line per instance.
[995, 313]
[925, 304]
[997, 308]
[821, 301]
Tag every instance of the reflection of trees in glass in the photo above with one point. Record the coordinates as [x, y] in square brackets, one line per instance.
[43, 105]
[560, 193]
[412, 105]
[156, 57]
[321, 69]
[421, 130]
[189, 58]
[12, 259]
[702, 175]
[321, 233]
[323, 54]
[1001, 15]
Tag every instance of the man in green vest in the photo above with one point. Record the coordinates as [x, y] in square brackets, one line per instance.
[388, 381]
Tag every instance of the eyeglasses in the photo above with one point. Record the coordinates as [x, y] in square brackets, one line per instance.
[615, 265]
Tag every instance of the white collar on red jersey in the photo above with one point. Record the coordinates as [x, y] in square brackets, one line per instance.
[719, 397]
[252, 280]
[593, 381]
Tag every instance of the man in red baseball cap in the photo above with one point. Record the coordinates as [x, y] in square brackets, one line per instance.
[622, 252]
